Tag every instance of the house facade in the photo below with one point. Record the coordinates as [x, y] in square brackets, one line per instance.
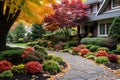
[101, 15]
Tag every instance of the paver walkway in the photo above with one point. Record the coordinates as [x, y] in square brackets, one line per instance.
[82, 69]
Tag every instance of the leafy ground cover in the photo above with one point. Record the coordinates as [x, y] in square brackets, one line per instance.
[29, 64]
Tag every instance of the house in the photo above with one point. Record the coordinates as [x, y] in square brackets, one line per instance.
[101, 15]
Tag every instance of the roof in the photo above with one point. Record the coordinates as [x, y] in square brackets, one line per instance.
[92, 1]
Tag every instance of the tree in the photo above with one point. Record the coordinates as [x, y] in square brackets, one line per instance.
[10, 10]
[37, 31]
[68, 14]
[114, 31]
[19, 31]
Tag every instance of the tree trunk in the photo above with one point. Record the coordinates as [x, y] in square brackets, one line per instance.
[3, 37]
[78, 34]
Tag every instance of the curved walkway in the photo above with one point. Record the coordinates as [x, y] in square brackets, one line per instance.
[82, 69]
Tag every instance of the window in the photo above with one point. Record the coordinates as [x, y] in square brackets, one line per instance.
[94, 8]
[103, 29]
[115, 3]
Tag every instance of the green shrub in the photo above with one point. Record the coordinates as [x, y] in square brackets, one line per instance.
[89, 46]
[66, 50]
[116, 51]
[13, 56]
[21, 40]
[71, 43]
[51, 66]
[91, 57]
[110, 52]
[102, 60]
[32, 43]
[66, 47]
[18, 68]
[118, 46]
[114, 31]
[6, 74]
[37, 56]
[95, 41]
[50, 56]
[42, 50]
[58, 59]
[103, 48]
[94, 48]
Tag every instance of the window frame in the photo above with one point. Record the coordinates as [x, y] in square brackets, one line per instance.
[113, 7]
[105, 27]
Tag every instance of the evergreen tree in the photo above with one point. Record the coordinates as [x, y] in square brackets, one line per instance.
[37, 31]
[114, 31]
[19, 31]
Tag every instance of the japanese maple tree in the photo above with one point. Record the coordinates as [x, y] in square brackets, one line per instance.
[11, 9]
[69, 13]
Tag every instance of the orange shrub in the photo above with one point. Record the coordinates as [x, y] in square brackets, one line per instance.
[84, 51]
[101, 53]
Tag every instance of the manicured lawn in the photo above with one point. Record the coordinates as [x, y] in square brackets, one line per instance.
[20, 44]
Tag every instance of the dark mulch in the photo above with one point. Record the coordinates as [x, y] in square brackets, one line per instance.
[38, 76]
[113, 65]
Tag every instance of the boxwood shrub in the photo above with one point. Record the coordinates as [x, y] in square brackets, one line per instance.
[94, 48]
[94, 41]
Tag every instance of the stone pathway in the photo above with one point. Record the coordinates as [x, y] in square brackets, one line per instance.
[82, 69]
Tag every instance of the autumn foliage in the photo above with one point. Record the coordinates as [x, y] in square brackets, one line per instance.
[33, 67]
[101, 53]
[5, 65]
[66, 14]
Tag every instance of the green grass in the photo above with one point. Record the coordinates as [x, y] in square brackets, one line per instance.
[20, 44]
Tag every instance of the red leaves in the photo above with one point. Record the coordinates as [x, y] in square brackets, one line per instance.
[112, 57]
[66, 12]
[76, 49]
[101, 53]
[84, 51]
[33, 67]
[27, 51]
[5, 65]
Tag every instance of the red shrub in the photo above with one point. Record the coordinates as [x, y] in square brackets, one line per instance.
[82, 46]
[5, 65]
[84, 51]
[101, 53]
[58, 47]
[76, 49]
[33, 67]
[27, 51]
[112, 57]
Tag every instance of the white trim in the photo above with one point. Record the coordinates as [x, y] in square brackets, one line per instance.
[105, 27]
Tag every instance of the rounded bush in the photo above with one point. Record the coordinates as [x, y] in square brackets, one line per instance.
[89, 46]
[116, 51]
[95, 41]
[6, 74]
[94, 48]
[112, 57]
[50, 56]
[102, 60]
[33, 67]
[18, 68]
[51, 66]
[103, 49]
[58, 59]
[101, 53]
[84, 51]
[5, 65]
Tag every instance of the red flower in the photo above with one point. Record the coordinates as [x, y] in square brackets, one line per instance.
[84, 51]
[5, 65]
[101, 53]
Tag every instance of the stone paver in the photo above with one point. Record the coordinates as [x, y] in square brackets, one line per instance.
[82, 69]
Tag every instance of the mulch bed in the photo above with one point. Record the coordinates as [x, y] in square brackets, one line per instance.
[113, 65]
[38, 76]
